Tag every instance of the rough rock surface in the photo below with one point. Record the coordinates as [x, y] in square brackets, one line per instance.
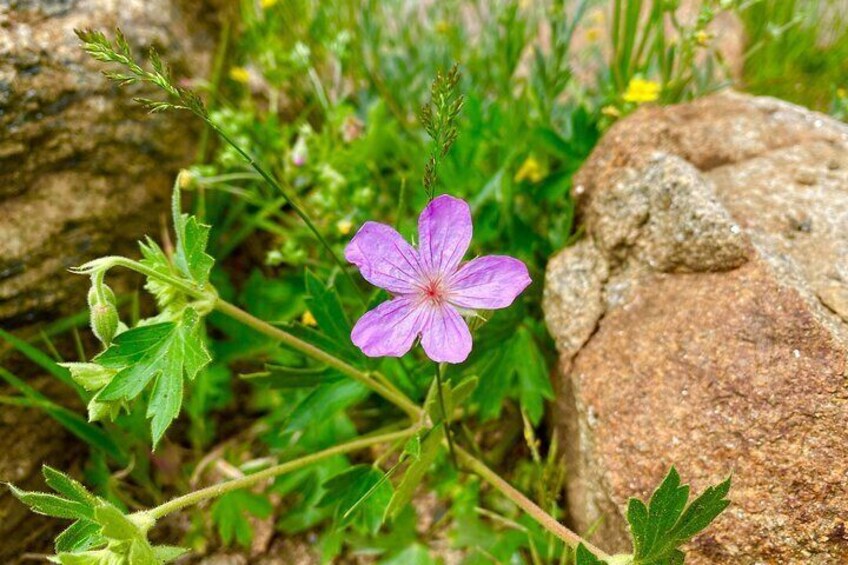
[703, 322]
[83, 169]
[83, 172]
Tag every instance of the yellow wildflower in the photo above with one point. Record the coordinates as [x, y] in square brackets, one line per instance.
[308, 319]
[640, 90]
[593, 34]
[240, 74]
[611, 111]
[530, 170]
[703, 37]
[267, 3]
[344, 226]
[841, 93]
[442, 27]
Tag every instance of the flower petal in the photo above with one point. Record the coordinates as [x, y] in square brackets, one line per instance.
[445, 335]
[489, 282]
[384, 258]
[390, 329]
[444, 233]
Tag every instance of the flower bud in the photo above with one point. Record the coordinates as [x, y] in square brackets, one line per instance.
[104, 314]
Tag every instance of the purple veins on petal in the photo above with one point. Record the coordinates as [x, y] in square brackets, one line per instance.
[445, 336]
[384, 258]
[489, 282]
[390, 329]
[444, 234]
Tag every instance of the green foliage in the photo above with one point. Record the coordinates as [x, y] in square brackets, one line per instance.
[508, 358]
[421, 453]
[667, 522]
[360, 495]
[100, 532]
[798, 51]
[161, 351]
[583, 556]
[649, 40]
[230, 514]
[163, 354]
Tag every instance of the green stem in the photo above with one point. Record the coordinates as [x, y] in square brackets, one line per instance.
[215, 491]
[384, 389]
[543, 518]
[445, 414]
[389, 393]
[105, 263]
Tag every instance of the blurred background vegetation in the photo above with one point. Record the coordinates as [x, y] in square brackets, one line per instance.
[325, 94]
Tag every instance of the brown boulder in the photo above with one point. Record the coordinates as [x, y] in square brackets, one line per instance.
[702, 323]
[84, 170]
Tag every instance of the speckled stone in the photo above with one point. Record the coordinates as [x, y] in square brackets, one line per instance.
[84, 170]
[702, 323]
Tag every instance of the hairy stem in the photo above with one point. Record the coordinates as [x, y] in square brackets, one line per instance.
[391, 394]
[543, 518]
[215, 491]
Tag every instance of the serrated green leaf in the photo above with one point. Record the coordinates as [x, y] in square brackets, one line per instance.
[666, 523]
[63, 484]
[90, 376]
[52, 505]
[583, 556]
[428, 450]
[230, 514]
[191, 258]
[166, 352]
[170, 301]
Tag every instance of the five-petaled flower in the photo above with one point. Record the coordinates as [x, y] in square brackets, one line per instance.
[430, 288]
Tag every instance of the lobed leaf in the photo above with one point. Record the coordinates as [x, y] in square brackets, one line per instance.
[164, 353]
[666, 523]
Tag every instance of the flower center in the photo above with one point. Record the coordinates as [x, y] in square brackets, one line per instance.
[434, 291]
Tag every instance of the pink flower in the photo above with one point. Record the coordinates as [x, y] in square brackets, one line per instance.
[429, 286]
